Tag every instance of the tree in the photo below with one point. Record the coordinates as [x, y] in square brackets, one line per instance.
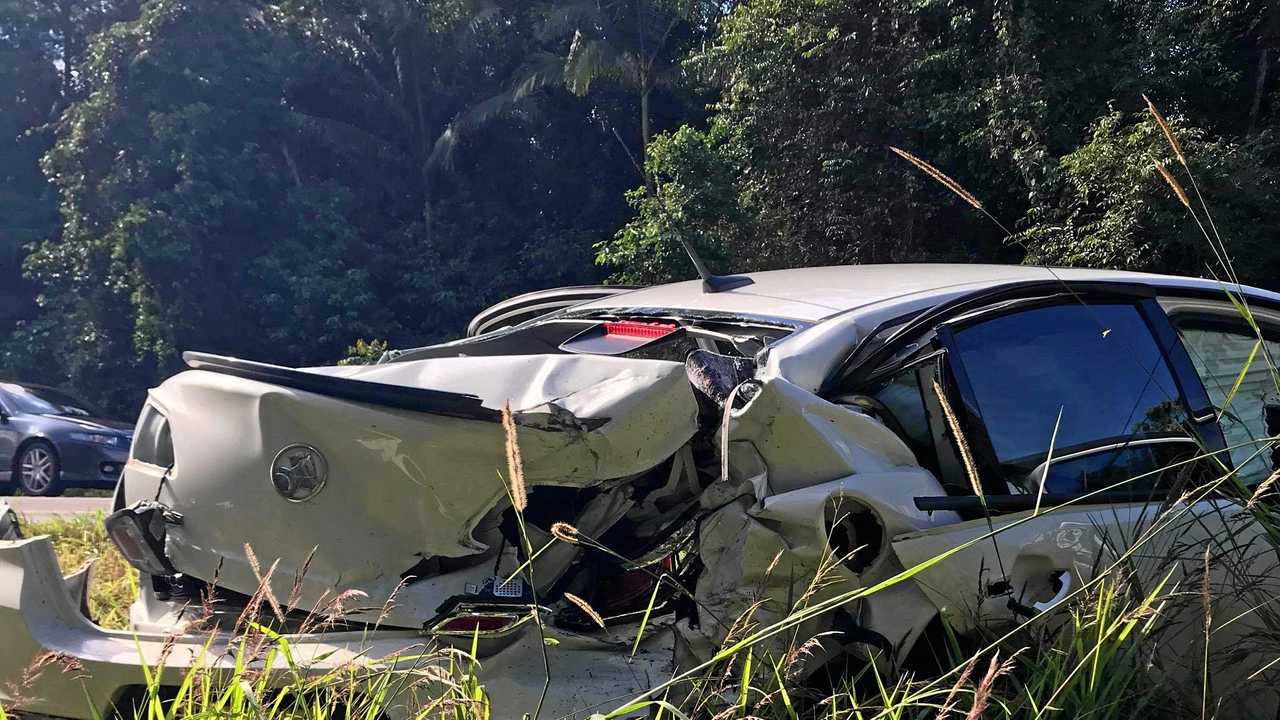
[1116, 210]
[177, 202]
[632, 42]
[815, 91]
[42, 43]
[252, 179]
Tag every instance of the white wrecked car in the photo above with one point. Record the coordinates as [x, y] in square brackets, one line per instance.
[1092, 390]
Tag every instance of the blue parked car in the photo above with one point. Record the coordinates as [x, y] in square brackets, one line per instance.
[50, 441]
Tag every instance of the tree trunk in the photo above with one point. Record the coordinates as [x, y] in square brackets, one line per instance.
[644, 133]
[1259, 87]
[68, 53]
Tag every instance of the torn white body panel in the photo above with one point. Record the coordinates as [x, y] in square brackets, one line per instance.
[403, 486]
[801, 471]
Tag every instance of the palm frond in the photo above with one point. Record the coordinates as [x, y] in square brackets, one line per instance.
[442, 152]
[591, 58]
[541, 70]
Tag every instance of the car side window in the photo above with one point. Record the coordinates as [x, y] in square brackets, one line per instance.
[1220, 352]
[1097, 366]
[899, 402]
[1139, 467]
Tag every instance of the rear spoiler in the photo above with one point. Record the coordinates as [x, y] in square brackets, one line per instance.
[435, 402]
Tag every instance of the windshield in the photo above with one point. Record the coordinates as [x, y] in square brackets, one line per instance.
[46, 401]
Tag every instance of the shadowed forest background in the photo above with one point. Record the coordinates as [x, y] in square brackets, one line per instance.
[276, 180]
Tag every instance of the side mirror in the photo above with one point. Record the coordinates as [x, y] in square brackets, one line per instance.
[4, 417]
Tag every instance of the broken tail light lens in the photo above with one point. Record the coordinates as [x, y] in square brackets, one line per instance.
[636, 329]
[138, 533]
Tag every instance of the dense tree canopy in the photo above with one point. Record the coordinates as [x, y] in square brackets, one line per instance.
[277, 179]
[794, 167]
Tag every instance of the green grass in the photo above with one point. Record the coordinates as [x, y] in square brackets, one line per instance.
[113, 582]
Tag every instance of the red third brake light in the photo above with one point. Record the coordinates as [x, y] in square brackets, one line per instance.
[636, 329]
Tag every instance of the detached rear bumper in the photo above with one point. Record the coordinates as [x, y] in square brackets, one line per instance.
[55, 661]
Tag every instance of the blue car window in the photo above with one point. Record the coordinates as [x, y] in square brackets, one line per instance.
[25, 402]
[1098, 365]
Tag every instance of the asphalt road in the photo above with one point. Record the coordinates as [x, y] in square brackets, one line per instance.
[44, 508]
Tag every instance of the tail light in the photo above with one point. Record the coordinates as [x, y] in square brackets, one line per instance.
[485, 621]
[138, 532]
[618, 337]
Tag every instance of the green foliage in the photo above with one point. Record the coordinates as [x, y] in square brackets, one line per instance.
[254, 180]
[693, 196]
[1116, 210]
[41, 43]
[814, 92]
[274, 179]
[364, 353]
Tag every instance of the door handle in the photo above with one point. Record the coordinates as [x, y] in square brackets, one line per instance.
[1063, 591]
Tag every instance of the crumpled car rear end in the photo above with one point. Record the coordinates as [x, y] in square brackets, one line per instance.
[414, 513]
[413, 500]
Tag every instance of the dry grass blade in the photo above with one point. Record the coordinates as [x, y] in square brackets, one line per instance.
[966, 454]
[954, 694]
[1263, 488]
[295, 593]
[982, 695]
[1173, 183]
[585, 607]
[773, 564]
[264, 581]
[1168, 131]
[515, 465]
[564, 532]
[1206, 599]
[940, 176]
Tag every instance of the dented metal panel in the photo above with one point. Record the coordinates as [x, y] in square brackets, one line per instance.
[403, 486]
[798, 466]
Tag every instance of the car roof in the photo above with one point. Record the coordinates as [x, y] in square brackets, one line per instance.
[814, 294]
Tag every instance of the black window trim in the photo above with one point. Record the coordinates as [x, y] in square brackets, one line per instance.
[876, 357]
[870, 355]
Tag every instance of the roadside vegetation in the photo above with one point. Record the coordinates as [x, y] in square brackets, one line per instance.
[80, 539]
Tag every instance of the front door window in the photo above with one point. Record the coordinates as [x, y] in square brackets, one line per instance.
[1097, 367]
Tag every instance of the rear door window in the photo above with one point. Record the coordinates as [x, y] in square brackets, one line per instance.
[1220, 352]
[899, 402]
[1096, 366]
